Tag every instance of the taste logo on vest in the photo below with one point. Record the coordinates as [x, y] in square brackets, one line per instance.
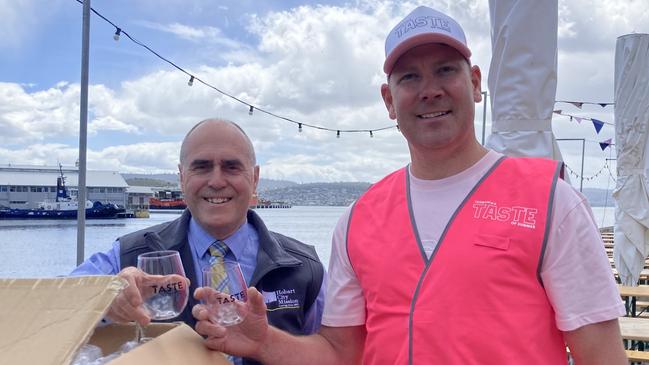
[281, 299]
[524, 217]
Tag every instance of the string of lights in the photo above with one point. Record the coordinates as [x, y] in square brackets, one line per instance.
[608, 167]
[608, 187]
[251, 108]
[587, 178]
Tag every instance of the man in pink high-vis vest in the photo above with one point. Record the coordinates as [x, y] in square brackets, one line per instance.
[464, 256]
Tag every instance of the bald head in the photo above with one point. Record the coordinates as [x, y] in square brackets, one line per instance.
[218, 175]
[215, 125]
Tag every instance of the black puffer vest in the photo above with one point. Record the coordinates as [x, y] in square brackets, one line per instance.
[288, 272]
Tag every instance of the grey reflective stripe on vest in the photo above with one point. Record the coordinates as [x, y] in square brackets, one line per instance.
[349, 221]
[548, 217]
[413, 222]
[439, 243]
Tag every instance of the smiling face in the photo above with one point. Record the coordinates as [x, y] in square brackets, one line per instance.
[218, 176]
[432, 92]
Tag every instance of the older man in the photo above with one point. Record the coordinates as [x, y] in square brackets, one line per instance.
[464, 256]
[219, 176]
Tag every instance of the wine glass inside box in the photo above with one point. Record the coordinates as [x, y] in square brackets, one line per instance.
[111, 337]
[171, 344]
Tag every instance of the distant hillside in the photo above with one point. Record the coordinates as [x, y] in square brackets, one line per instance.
[269, 184]
[340, 194]
[173, 180]
[145, 181]
[151, 179]
[599, 197]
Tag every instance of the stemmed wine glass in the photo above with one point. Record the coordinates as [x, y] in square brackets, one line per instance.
[227, 292]
[165, 294]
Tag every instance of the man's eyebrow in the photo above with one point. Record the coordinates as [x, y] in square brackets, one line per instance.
[199, 162]
[231, 162]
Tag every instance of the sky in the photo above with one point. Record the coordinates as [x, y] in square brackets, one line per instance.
[318, 63]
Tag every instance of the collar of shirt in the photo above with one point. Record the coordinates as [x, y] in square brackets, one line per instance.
[242, 244]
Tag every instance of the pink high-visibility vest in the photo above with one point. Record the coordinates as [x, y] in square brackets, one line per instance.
[479, 299]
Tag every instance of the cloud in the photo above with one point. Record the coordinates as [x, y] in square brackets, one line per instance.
[28, 117]
[316, 64]
[139, 158]
[588, 26]
[135, 158]
[15, 26]
[196, 35]
[108, 123]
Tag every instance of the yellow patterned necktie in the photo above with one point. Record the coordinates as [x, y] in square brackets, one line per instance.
[220, 281]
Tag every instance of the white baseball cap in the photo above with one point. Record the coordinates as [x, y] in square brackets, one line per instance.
[423, 25]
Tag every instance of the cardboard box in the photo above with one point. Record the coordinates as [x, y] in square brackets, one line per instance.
[45, 322]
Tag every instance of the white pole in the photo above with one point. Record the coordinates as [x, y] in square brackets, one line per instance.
[83, 133]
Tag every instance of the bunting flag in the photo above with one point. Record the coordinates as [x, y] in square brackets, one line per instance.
[578, 119]
[598, 124]
[604, 144]
[579, 104]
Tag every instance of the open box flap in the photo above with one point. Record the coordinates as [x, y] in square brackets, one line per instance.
[177, 344]
[44, 321]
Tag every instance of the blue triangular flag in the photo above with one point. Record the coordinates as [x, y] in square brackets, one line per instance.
[598, 124]
[604, 144]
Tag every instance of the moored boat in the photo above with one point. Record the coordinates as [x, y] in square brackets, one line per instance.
[63, 207]
[167, 199]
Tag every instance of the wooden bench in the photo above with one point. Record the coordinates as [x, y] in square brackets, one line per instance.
[635, 355]
[632, 355]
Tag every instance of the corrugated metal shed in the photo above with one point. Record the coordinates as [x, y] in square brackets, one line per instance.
[21, 175]
[140, 190]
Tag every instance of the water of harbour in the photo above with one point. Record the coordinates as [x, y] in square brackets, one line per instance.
[45, 248]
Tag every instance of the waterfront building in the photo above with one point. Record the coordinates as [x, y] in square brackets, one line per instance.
[138, 197]
[24, 186]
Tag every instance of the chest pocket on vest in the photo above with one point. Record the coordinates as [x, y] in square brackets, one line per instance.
[493, 241]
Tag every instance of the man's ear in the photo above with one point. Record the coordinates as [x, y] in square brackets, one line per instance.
[386, 94]
[476, 81]
[256, 176]
[180, 175]
[253, 198]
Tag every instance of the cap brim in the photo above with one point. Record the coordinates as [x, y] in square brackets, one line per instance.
[419, 40]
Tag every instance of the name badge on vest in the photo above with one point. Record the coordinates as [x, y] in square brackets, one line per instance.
[281, 299]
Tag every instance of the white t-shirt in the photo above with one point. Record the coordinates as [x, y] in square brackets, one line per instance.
[575, 271]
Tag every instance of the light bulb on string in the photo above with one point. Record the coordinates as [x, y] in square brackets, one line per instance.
[117, 35]
[371, 134]
[252, 108]
[398, 129]
[299, 127]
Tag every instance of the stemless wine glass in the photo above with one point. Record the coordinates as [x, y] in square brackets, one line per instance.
[227, 293]
[166, 293]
